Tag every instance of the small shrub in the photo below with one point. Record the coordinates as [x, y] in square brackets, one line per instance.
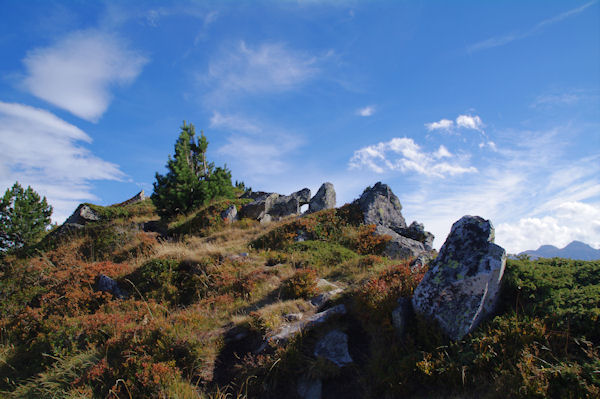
[303, 284]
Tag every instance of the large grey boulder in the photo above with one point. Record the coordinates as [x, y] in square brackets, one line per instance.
[82, 216]
[381, 207]
[400, 247]
[334, 347]
[462, 284]
[303, 196]
[323, 199]
[258, 208]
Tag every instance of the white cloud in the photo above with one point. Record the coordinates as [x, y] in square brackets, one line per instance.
[263, 152]
[267, 68]
[472, 122]
[469, 122]
[505, 39]
[526, 184]
[39, 149]
[78, 72]
[547, 100]
[442, 124]
[404, 155]
[366, 111]
[567, 222]
[233, 122]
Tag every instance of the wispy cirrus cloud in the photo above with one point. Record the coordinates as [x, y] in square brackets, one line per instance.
[79, 71]
[501, 40]
[268, 68]
[255, 147]
[526, 185]
[404, 155]
[39, 149]
[366, 111]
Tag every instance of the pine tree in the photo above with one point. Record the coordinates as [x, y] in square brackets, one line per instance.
[191, 180]
[24, 217]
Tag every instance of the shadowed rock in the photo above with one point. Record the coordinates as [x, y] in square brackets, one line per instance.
[462, 284]
[107, 284]
[334, 347]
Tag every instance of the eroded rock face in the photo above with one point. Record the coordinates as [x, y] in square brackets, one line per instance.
[139, 197]
[82, 216]
[462, 284]
[259, 207]
[323, 199]
[381, 207]
[334, 347]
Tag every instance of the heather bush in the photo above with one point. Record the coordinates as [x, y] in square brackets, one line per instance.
[303, 284]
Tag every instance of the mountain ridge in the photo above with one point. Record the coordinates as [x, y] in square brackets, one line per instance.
[576, 250]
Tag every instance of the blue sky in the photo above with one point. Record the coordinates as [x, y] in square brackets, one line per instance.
[482, 108]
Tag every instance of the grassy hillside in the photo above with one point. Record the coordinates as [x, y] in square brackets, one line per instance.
[202, 299]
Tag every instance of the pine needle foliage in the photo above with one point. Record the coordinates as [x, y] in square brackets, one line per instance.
[191, 180]
[24, 217]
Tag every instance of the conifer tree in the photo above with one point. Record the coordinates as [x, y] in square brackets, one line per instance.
[191, 180]
[24, 217]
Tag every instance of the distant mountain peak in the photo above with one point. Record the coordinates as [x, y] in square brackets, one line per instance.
[574, 250]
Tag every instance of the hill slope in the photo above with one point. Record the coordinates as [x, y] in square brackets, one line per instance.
[201, 307]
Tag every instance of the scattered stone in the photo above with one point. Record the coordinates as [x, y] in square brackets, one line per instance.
[334, 347]
[325, 198]
[400, 315]
[319, 301]
[462, 284]
[229, 215]
[82, 216]
[293, 316]
[139, 197]
[381, 207]
[107, 284]
[309, 388]
[289, 330]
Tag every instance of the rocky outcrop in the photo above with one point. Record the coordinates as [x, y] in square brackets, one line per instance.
[272, 206]
[82, 216]
[462, 284]
[139, 197]
[258, 208]
[334, 347]
[230, 214]
[380, 206]
[323, 199]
